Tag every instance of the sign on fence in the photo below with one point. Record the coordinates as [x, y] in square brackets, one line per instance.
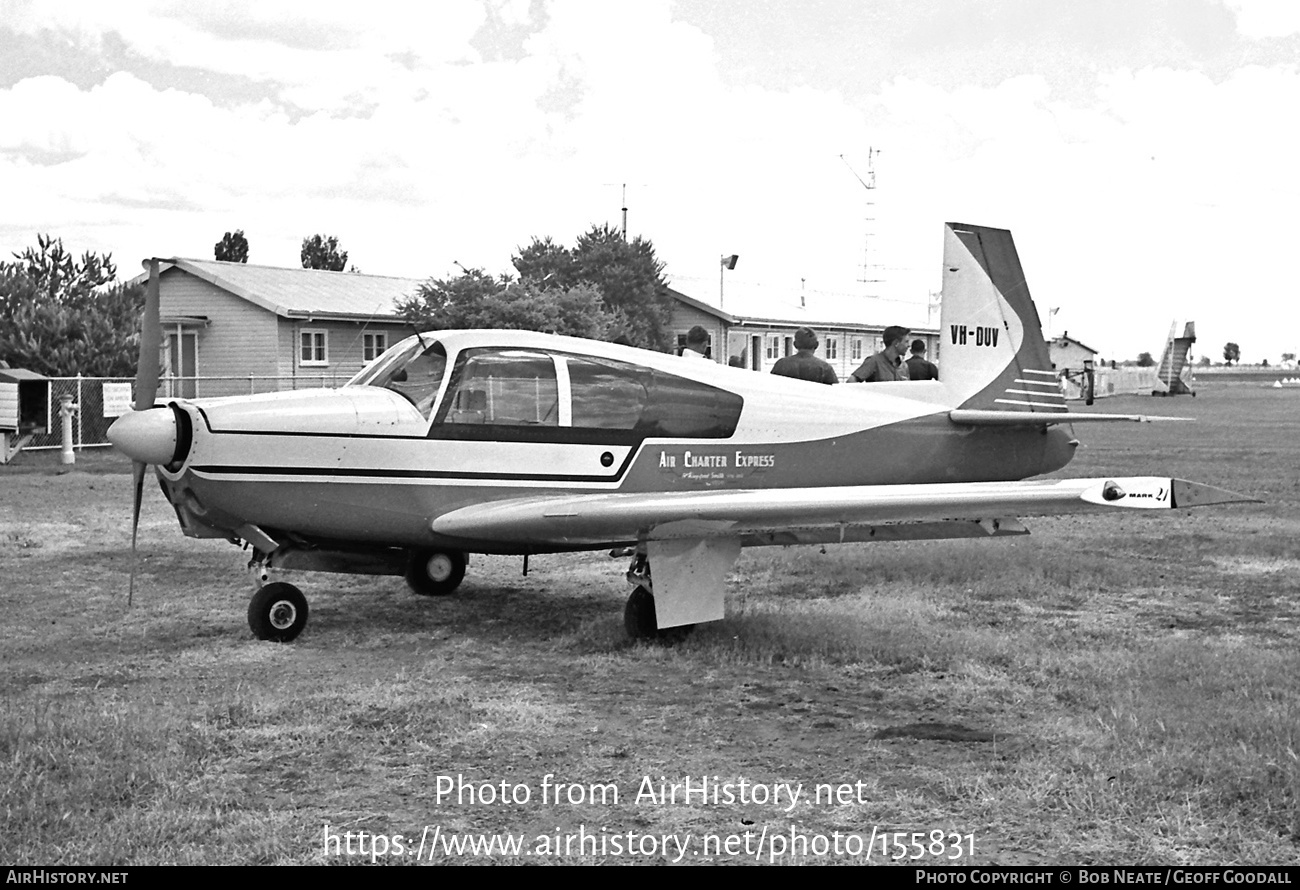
[117, 399]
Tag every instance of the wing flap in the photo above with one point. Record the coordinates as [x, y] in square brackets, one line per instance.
[593, 519]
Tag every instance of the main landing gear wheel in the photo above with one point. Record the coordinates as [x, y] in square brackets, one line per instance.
[641, 624]
[277, 612]
[435, 572]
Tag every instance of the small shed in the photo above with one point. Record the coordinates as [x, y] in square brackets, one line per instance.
[24, 409]
[24, 402]
[1068, 354]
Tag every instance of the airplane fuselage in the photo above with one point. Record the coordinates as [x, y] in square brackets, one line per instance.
[370, 465]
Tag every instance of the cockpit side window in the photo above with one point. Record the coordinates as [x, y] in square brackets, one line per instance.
[688, 409]
[607, 395]
[503, 388]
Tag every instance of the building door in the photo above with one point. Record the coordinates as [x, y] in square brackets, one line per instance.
[756, 353]
[183, 363]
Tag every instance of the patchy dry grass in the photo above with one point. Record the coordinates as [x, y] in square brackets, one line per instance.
[1110, 690]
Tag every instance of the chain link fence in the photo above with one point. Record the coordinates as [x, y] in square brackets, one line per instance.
[91, 420]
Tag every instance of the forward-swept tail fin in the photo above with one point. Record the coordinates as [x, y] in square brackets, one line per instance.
[992, 351]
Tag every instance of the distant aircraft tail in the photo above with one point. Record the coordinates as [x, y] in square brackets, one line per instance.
[992, 355]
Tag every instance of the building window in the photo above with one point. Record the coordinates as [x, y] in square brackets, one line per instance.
[373, 346]
[832, 348]
[312, 347]
[773, 348]
[857, 349]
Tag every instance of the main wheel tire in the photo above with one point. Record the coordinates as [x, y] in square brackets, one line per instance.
[277, 612]
[641, 622]
[435, 572]
[639, 615]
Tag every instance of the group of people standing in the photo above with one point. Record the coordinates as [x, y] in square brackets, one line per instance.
[886, 365]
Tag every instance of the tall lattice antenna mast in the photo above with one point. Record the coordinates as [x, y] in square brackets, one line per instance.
[871, 272]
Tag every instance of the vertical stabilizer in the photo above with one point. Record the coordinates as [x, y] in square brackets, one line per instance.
[992, 352]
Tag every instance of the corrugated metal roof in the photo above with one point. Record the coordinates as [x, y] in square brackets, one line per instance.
[303, 292]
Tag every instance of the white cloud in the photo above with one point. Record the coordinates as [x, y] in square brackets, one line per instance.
[1266, 18]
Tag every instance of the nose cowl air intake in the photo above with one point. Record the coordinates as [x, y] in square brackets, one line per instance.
[154, 436]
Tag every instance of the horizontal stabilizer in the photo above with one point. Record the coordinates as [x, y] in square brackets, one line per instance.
[975, 417]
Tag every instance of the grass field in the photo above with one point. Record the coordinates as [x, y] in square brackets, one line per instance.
[1114, 689]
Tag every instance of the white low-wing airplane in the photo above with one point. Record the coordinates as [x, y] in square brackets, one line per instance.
[510, 442]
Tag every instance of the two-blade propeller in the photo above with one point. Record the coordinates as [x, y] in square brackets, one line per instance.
[146, 389]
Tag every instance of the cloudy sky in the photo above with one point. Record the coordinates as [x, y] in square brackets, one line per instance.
[1142, 151]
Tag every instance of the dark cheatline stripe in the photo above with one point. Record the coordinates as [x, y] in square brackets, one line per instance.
[393, 474]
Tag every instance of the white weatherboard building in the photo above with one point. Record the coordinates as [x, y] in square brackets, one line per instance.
[249, 328]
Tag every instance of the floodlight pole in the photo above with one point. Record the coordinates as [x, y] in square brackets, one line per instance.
[728, 261]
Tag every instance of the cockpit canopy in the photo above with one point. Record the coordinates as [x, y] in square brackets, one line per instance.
[501, 387]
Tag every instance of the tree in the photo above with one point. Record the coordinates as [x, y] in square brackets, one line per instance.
[322, 252]
[546, 264]
[54, 272]
[1231, 352]
[1204, 362]
[232, 248]
[631, 281]
[60, 316]
[476, 300]
[627, 275]
[1145, 360]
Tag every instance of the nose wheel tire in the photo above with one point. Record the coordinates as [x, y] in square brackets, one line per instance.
[277, 612]
[435, 572]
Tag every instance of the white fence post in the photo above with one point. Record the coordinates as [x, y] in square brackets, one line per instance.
[80, 400]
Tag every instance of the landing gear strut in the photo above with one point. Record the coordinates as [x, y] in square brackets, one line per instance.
[639, 618]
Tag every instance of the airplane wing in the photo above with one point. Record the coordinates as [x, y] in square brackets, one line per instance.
[594, 519]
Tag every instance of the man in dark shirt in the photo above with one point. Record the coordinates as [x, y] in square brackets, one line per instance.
[803, 364]
[887, 364]
[917, 367]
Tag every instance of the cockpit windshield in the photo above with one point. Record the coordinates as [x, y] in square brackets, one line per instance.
[413, 368]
